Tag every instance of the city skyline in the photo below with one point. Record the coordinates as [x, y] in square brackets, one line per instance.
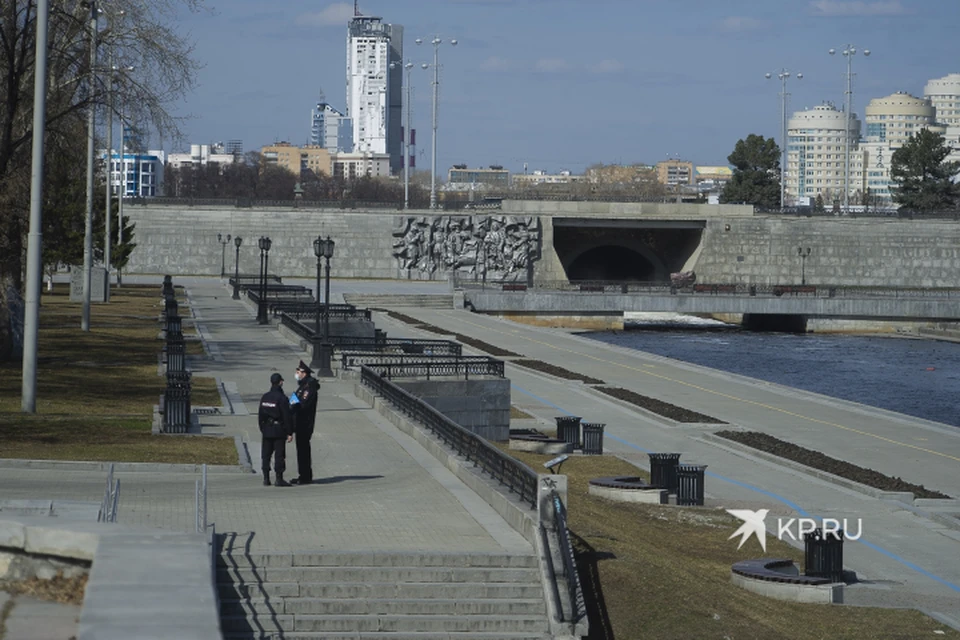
[567, 84]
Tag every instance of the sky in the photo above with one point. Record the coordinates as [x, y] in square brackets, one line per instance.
[562, 84]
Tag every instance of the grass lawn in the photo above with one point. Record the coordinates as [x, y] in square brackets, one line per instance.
[96, 390]
[664, 572]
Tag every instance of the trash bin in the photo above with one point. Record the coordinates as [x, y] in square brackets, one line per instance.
[663, 470]
[690, 484]
[568, 430]
[823, 555]
[593, 438]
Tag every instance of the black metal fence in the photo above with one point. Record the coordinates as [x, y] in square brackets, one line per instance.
[516, 476]
[307, 311]
[823, 554]
[578, 603]
[245, 282]
[418, 366]
[690, 481]
[175, 402]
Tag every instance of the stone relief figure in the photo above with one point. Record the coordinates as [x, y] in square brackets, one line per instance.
[489, 247]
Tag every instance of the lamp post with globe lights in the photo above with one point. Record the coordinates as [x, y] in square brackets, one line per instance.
[323, 354]
[436, 42]
[264, 244]
[223, 250]
[237, 241]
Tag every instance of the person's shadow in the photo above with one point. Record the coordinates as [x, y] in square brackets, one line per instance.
[336, 479]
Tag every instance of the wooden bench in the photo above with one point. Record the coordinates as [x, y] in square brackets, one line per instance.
[794, 290]
[513, 287]
[766, 569]
[714, 288]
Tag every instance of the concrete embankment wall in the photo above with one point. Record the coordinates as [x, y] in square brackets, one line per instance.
[843, 251]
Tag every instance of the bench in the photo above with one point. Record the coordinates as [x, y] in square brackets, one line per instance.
[513, 287]
[714, 288]
[794, 290]
[767, 569]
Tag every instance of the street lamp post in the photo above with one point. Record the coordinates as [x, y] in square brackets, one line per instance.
[406, 136]
[783, 75]
[91, 138]
[436, 42]
[237, 241]
[848, 52]
[803, 252]
[223, 248]
[323, 352]
[264, 244]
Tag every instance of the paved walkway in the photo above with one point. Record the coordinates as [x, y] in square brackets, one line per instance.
[28, 618]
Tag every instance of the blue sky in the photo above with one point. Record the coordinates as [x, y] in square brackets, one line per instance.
[562, 84]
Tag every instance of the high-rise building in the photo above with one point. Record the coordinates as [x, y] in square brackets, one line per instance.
[330, 129]
[815, 155]
[374, 90]
[944, 95]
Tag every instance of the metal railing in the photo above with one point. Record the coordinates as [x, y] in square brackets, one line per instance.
[250, 281]
[374, 344]
[111, 499]
[512, 473]
[860, 212]
[418, 366]
[307, 311]
[578, 603]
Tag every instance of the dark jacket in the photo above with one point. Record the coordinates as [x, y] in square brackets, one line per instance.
[275, 418]
[305, 411]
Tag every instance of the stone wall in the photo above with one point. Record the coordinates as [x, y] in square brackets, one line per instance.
[482, 406]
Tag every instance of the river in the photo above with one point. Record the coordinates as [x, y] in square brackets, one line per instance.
[918, 377]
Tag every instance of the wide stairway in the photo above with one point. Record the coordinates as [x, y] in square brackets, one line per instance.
[389, 301]
[401, 596]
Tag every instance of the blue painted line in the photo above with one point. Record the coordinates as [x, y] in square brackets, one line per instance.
[793, 505]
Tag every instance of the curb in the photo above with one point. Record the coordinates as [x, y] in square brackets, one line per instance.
[126, 467]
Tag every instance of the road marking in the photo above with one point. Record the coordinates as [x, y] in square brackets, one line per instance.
[723, 395]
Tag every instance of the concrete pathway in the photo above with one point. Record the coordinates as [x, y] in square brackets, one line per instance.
[28, 618]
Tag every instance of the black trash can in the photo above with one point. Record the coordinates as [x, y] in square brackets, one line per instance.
[823, 555]
[568, 430]
[593, 438]
[690, 484]
[663, 470]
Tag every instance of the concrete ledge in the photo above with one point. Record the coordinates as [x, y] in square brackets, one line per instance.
[649, 496]
[812, 594]
[143, 583]
[549, 446]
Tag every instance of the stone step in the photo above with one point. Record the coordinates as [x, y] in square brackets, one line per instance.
[366, 559]
[386, 606]
[377, 635]
[424, 301]
[418, 590]
[378, 574]
[386, 623]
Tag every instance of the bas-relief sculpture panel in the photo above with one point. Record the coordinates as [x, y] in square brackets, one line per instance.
[494, 247]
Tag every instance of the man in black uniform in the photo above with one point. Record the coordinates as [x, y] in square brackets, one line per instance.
[305, 413]
[276, 427]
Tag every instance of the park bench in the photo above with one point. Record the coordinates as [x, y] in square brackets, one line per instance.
[513, 286]
[714, 288]
[794, 290]
[767, 569]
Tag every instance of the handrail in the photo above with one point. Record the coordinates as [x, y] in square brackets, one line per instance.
[374, 344]
[577, 601]
[395, 366]
[512, 473]
[308, 311]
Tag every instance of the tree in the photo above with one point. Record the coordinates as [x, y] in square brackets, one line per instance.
[756, 173]
[818, 203]
[924, 177]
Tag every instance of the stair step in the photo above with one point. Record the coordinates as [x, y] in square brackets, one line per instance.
[415, 590]
[385, 606]
[378, 574]
[386, 623]
[365, 559]
[427, 301]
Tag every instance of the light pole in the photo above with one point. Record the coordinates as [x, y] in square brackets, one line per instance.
[31, 320]
[848, 52]
[406, 137]
[107, 234]
[803, 252]
[783, 75]
[91, 138]
[237, 241]
[223, 248]
[264, 244]
[323, 353]
[436, 42]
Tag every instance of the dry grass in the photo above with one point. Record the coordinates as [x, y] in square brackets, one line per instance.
[96, 390]
[519, 414]
[58, 589]
[664, 572]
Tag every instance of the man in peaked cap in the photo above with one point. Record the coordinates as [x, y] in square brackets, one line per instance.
[304, 406]
[276, 428]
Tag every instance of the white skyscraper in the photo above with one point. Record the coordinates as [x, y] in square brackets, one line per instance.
[374, 96]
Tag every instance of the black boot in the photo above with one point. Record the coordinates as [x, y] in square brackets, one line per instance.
[281, 482]
[266, 478]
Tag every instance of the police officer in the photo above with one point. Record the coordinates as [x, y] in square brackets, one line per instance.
[276, 427]
[305, 413]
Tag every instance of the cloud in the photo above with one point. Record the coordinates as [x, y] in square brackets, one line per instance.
[337, 14]
[742, 23]
[607, 66]
[857, 8]
[551, 65]
[495, 63]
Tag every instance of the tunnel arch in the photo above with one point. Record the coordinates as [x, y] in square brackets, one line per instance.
[605, 261]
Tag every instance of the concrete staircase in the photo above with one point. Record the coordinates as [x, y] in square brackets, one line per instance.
[401, 596]
[388, 301]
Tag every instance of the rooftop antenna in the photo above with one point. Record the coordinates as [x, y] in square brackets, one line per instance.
[356, 7]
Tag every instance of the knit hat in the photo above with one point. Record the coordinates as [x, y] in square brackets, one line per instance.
[276, 379]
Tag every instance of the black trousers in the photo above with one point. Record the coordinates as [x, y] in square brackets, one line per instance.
[304, 458]
[276, 447]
